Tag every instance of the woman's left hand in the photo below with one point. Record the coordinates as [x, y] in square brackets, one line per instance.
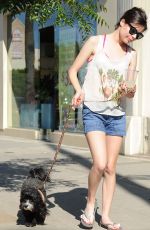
[125, 91]
[131, 92]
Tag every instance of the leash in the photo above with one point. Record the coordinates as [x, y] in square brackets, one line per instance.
[59, 143]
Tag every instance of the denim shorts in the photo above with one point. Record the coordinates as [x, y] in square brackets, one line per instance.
[111, 125]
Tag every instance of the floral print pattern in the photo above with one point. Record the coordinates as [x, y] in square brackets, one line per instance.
[109, 83]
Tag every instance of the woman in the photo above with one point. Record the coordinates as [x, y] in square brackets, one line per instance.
[104, 89]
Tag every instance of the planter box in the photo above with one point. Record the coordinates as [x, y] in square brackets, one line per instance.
[47, 116]
[29, 116]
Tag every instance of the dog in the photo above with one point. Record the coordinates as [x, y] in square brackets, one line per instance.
[33, 197]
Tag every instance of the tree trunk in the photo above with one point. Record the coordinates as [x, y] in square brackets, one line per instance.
[29, 59]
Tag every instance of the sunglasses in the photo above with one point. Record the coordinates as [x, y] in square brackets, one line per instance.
[133, 31]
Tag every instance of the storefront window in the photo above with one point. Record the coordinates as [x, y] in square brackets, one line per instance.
[55, 49]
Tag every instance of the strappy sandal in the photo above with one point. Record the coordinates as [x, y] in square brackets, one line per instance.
[87, 219]
[111, 226]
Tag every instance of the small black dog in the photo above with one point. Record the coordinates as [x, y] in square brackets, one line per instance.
[33, 197]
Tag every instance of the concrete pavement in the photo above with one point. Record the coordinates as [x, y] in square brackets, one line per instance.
[68, 188]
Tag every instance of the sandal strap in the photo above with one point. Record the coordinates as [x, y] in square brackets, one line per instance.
[109, 226]
[88, 219]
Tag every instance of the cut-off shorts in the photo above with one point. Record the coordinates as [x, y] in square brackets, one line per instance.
[111, 125]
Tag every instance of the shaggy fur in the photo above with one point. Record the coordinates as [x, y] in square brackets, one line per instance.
[33, 197]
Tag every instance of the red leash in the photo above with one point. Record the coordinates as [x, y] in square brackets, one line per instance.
[59, 143]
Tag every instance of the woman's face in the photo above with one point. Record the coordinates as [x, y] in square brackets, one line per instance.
[130, 32]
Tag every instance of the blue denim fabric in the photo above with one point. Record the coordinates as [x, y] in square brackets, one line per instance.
[111, 125]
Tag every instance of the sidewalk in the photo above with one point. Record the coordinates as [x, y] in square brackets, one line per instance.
[68, 188]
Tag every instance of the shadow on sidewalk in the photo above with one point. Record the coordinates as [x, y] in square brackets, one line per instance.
[72, 202]
[13, 173]
[134, 188]
[126, 183]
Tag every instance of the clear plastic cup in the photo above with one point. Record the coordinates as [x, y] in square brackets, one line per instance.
[130, 78]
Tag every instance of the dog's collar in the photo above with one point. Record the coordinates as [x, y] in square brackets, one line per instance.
[42, 196]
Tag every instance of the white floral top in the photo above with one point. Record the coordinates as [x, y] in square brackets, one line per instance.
[102, 79]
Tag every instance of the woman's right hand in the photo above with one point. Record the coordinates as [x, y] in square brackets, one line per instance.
[77, 99]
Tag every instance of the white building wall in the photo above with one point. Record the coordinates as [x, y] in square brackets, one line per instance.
[3, 72]
[138, 109]
[145, 77]
[110, 16]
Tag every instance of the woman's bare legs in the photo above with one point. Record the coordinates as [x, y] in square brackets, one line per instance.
[104, 150]
[97, 144]
[113, 144]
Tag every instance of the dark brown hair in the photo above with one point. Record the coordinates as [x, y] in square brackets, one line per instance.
[134, 15]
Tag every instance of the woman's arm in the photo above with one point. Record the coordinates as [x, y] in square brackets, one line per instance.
[87, 50]
[132, 66]
[123, 89]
